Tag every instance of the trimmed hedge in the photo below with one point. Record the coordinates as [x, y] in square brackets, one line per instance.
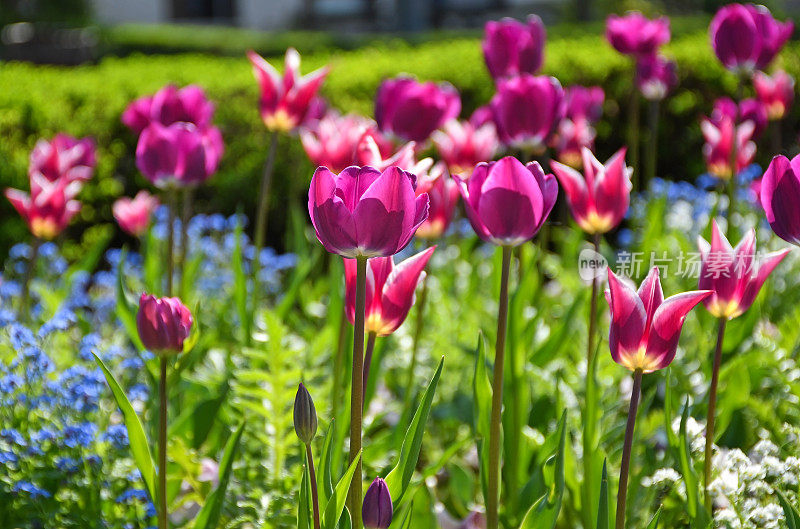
[38, 101]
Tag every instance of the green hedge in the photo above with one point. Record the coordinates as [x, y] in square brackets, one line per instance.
[38, 101]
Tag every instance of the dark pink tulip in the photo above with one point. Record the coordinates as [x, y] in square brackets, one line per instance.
[734, 275]
[333, 141]
[412, 110]
[170, 105]
[511, 47]
[645, 327]
[163, 324]
[600, 197]
[747, 37]
[582, 102]
[780, 188]
[526, 109]
[178, 155]
[747, 110]
[443, 196]
[507, 202]
[776, 93]
[635, 34]
[376, 510]
[571, 138]
[133, 215]
[138, 114]
[362, 212]
[482, 116]
[371, 152]
[49, 207]
[719, 135]
[63, 157]
[462, 145]
[286, 100]
[655, 77]
[390, 290]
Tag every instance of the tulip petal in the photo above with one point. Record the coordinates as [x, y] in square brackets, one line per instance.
[650, 293]
[667, 324]
[779, 191]
[398, 291]
[332, 220]
[753, 286]
[628, 318]
[386, 213]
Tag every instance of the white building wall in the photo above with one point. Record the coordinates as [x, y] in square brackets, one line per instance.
[120, 11]
[268, 14]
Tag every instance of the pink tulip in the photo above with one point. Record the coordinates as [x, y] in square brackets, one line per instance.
[600, 198]
[390, 290]
[747, 37]
[333, 141]
[717, 150]
[645, 327]
[362, 212]
[526, 109]
[571, 138]
[49, 207]
[163, 324]
[443, 196]
[285, 101]
[507, 202]
[776, 93]
[133, 216]
[511, 47]
[170, 105]
[747, 110]
[655, 77]
[482, 116]
[369, 151]
[734, 275]
[780, 188]
[635, 34]
[463, 145]
[178, 155]
[412, 110]
[63, 157]
[583, 103]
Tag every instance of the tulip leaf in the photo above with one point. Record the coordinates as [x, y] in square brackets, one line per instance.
[406, 511]
[398, 479]
[544, 513]
[654, 522]
[240, 283]
[694, 507]
[789, 511]
[126, 310]
[209, 515]
[482, 409]
[603, 514]
[140, 449]
[335, 506]
[324, 479]
[304, 505]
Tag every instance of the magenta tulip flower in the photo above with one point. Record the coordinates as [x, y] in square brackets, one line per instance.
[390, 290]
[133, 215]
[747, 110]
[362, 212]
[776, 93]
[634, 34]
[645, 327]
[178, 155]
[63, 157]
[507, 202]
[163, 324]
[333, 141]
[285, 100]
[571, 138]
[377, 508]
[780, 188]
[482, 116]
[600, 198]
[526, 109]
[655, 77]
[170, 105]
[511, 48]
[747, 37]
[462, 145]
[370, 152]
[412, 110]
[734, 275]
[49, 207]
[583, 103]
[720, 135]
[443, 196]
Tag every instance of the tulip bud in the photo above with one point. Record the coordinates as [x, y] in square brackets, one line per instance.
[163, 324]
[376, 510]
[305, 415]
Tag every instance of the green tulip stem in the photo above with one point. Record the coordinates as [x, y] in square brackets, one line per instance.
[312, 475]
[419, 323]
[357, 393]
[590, 417]
[162, 445]
[712, 410]
[262, 214]
[624, 469]
[368, 360]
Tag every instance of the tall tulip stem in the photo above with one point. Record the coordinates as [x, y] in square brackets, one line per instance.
[368, 360]
[261, 214]
[493, 501]
[732, 185]
[312, 477]
[419, 323]
[624, 469]
[633, 135]
[186, 214]
[26, 282]
[590, 415]
[356, 391]
[162, 445]
[651, 155]
[712, 410]
[170, 239]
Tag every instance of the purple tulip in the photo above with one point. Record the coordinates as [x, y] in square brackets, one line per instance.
[747, 37]
[655, 76]
[780, 188]
[734, 275]
[376, 510]
[583, 103]
[747, 110]
[163, 324]
[634, 34]
[776, 93]
[526, 109]
[507, 202]
[412, 110]
[511, 48]
[178, 155]
[63, 157]
[362, 212]
[170, 105]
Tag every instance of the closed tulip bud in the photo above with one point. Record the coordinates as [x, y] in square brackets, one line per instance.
[63, 157]
[363, 212]
[463, 145]
[163, 324]
[178, 155]
[655, 77]
[511, 47]
[49, 207]
[526, 109]
[747, 37]
[645, 327]
[286, 100]
[634, 34]
[776, 93]
[412, 110]
[583, 103]
[305, 415]
[600, 197]
[734, 275]
[507, 202]
[133, 216]
[780, 188]
[376, 511]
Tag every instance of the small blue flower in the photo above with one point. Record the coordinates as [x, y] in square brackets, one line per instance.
[116, 435]
[133, 495]
[13, 437]
[29, 488]
[76, 435]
